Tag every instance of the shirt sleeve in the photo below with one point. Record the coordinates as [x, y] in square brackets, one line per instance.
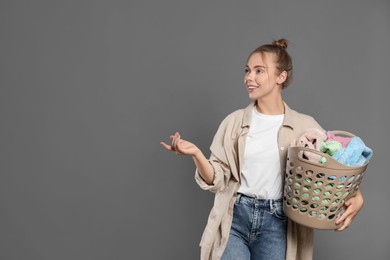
[218, 161]
[221, 176]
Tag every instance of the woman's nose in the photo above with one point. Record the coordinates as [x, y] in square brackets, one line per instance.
[248, 78]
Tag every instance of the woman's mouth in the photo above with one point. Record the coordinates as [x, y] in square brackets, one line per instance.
[252, 88]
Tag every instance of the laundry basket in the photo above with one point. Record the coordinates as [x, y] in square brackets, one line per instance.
[315, 193]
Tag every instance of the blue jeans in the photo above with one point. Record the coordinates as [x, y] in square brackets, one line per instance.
[259, 230]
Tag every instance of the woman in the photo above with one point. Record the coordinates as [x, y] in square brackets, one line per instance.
[246, 168]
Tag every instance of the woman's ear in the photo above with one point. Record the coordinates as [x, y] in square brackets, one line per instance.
[282, 77]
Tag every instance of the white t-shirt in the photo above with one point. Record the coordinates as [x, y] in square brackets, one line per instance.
[260, 175]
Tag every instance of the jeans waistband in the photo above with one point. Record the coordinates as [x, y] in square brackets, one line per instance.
[267, 203]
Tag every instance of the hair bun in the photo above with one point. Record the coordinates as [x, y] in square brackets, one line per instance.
[281, 43]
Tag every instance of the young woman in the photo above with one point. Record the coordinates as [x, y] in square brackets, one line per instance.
[246, 169]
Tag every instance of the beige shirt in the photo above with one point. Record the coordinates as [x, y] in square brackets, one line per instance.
[227, 150]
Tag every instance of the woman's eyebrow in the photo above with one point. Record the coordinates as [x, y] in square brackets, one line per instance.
[257, 66]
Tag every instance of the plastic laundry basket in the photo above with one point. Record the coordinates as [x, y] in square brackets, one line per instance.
[315, 193]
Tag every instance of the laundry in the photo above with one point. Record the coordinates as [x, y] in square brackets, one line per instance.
[330, 147]
[350, 151]
[312, 139]
[344, 141]
[355, 154]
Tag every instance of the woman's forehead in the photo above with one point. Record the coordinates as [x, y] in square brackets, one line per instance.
[263, 59]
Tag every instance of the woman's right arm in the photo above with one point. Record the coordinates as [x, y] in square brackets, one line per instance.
[183, 147]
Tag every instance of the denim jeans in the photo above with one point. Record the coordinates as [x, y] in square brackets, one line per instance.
[259, 230]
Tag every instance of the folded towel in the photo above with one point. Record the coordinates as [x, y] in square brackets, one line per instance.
[330, 147]
[312, 139]
[350, 151]
[355, 154]
[341, 139]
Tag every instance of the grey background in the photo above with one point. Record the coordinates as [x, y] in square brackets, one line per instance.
[88, 89]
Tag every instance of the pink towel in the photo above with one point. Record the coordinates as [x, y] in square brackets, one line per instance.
[312, 139]
[343, 140]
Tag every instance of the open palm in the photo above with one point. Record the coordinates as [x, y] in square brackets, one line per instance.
[181, 146]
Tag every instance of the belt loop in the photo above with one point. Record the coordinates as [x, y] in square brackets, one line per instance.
[271, 205]
[238, 198]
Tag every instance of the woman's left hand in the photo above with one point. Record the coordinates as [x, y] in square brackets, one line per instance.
[354, 205]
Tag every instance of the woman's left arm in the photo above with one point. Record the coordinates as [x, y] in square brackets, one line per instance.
[354, 205]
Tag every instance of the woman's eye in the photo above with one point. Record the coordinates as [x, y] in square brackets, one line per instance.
[246, 71]
[259, 71]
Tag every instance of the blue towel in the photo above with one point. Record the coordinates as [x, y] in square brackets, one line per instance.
[355, 154]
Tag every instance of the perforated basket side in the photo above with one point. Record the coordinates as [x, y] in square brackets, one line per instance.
[314, 193]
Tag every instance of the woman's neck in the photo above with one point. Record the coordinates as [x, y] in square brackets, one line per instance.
[274, 107]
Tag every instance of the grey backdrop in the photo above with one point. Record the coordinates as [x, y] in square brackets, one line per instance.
[88, 89]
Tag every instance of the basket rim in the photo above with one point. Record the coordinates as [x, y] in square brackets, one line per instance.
[330, 163]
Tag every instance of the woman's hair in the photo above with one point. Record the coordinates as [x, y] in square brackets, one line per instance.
[283, 60]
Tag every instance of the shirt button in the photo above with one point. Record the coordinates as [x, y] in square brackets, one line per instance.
[282, 148]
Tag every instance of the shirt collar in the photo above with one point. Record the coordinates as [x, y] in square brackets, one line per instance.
[287, 121]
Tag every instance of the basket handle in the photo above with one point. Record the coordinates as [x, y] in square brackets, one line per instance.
[330, 162]
[340, 132]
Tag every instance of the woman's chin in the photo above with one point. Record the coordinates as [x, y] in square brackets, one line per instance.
[252, 97]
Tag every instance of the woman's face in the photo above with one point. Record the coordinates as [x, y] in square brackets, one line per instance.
[262, 79]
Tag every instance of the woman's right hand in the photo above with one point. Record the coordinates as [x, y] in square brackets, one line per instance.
[183, 147]
[180, 146]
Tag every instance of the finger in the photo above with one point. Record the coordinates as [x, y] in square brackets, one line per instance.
[173, 137]
[175, 140]
[346, 219]
[179, 146]
[173, 144]
[340, 219]
[348, 202]
[343, 217]
[345, 224]
[176, 135]
[348, 211]
[166, 146]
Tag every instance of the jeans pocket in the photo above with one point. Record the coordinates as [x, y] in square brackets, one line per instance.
[279, 213]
